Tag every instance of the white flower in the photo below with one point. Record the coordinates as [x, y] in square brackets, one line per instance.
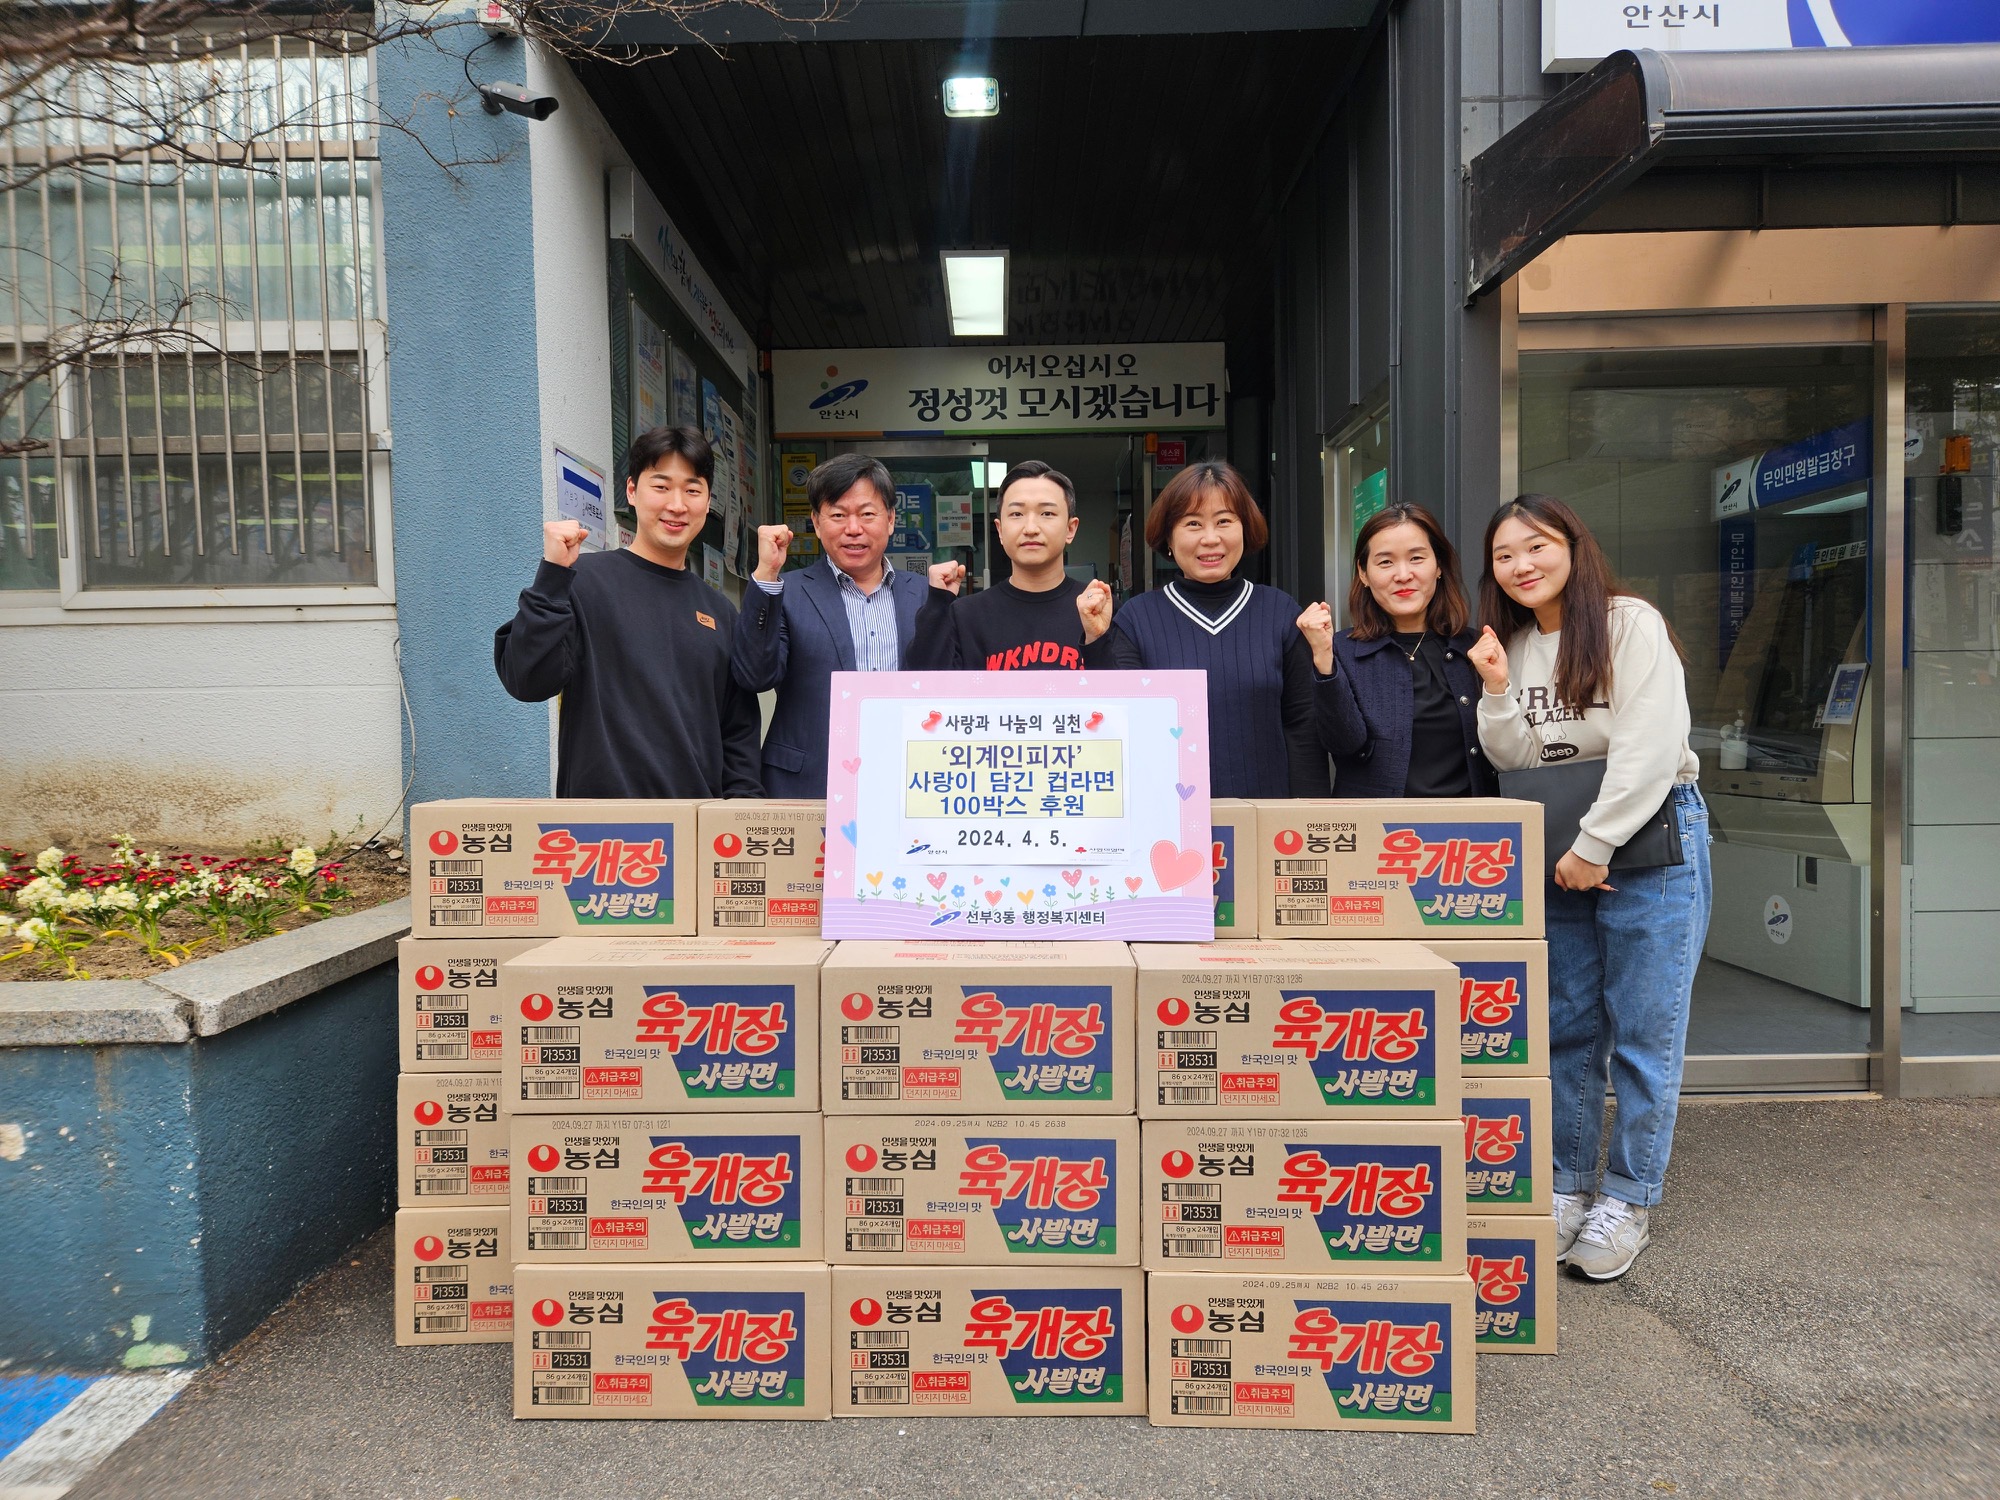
[34, 930]
[303, 860]
[6, 927]
[79, 901]
[50, 860]
[118, 898]
[245, 889]
[158, 901]
[43, 893]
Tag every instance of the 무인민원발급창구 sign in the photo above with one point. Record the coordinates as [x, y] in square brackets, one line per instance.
[982, 805]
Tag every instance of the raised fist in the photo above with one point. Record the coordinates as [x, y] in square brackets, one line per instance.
[1093, 607]
[1316, 625]
[949, 576]
[774, 545]
[562, 540]
[1489, 660]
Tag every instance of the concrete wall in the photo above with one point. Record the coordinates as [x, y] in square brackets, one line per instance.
[199, 729]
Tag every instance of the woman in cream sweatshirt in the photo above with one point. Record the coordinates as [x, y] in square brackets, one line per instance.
[1580, 670]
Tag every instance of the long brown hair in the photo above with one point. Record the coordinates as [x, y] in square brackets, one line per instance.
[1583, 661]
[1448, 612]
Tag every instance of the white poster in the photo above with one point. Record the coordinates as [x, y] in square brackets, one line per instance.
[649, 373]
[580, 496]
[954, 520]
[916, 393]
[683, 388]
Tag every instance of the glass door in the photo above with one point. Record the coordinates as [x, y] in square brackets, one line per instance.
[1731, 486]
[1356, 467]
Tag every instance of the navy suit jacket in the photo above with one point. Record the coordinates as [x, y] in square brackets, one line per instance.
[795, 641]
[1365, 718]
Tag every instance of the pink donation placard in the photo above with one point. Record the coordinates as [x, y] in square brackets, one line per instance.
[1028, 805]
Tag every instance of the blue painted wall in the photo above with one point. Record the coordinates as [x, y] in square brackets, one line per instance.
[195, 1185]
[464, 409]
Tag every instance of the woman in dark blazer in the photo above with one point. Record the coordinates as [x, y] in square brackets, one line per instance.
[1397, 703]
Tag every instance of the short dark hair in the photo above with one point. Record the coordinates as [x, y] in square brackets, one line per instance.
[652, 448]
[837, 476]
[1185, 491]
[1034, 468]
[1449, 613]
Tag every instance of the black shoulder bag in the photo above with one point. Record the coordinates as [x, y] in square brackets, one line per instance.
[1566, 792]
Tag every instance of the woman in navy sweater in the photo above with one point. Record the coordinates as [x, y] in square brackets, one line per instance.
[1261, 736]
[1397, 698]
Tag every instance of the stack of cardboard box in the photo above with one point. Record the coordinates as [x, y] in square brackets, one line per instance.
[982, 1179]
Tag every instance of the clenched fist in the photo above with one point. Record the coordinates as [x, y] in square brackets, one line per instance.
[1489, 660]
[1316, 625]
[562, 540]
[774, 545]
[1093, 608]
[949, 576]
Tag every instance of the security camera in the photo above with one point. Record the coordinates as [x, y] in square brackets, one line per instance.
[515, 100]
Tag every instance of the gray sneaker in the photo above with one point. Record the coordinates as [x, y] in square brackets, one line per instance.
[1612, 1236]
[1569, 1211]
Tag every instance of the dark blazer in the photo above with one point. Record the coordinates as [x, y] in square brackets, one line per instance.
[1365, 716]
[795, 641]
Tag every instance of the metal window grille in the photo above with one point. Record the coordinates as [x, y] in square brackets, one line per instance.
[214, 412]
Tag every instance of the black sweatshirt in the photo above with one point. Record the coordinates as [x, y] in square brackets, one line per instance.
[640, 654]
[1009, 629]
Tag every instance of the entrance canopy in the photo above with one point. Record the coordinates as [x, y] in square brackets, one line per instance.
[1638, 113]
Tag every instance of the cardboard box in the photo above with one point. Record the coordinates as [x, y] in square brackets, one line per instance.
[454, 1275]
[1511, 1259]
[1346, 1197]
[451, 1144]
[602, 1189]
[1346, 1353]
[1010, 1190]
[1503, 1007]
[630, 1024]
[1296, 1031]
[1235, 825]
[718, 1342]
[762, 864]
[545, 867]
[449, 1009]
[1060, 1340]
[977, 1028]
[1461, 867]
[1509, 1158]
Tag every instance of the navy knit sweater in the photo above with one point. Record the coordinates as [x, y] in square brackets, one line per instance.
[1261, 736]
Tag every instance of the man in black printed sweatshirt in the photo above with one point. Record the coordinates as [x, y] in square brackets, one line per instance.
[637, 645]
[1027, 622]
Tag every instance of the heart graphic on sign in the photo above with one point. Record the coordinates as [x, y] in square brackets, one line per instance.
[851, 766]
[1093, 721]
[1093, 880]
[1175, 731]
[1133, 882]
[979, 880]
[1025, 896]
[937, 881]
[932, 720]
[1174, 867]
[848, 830]
[1184, 789]
[992, 897]
[875, 877]
[1006, 879]
[1071, 877]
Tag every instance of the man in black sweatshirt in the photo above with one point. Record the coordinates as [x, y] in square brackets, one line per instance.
[637, 645]
[1028, 621]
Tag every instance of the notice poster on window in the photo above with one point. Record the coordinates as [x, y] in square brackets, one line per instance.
[649, 373]
[728, 486]
[683, 388]
[580, 492]
[962, 805]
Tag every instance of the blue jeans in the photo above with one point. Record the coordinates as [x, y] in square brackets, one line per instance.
[1621, 970]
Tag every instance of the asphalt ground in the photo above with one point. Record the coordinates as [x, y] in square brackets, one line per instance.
[1819, 1315]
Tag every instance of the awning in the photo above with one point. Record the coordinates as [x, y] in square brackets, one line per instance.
[1635, 110]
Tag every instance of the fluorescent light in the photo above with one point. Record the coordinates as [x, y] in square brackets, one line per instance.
[968, 98]
[1854, 500]
[993, 472]
[975, 289]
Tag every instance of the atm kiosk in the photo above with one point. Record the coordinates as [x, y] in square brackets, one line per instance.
[1787, 776]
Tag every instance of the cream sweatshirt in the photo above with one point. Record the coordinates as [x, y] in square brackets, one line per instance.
[1642, 732]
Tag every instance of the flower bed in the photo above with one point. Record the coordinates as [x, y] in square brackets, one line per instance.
[141, 912]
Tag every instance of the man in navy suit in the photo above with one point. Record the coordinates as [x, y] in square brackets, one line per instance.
[851, 612]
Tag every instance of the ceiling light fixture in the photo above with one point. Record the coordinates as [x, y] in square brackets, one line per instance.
[975, 289]
[969, 98]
